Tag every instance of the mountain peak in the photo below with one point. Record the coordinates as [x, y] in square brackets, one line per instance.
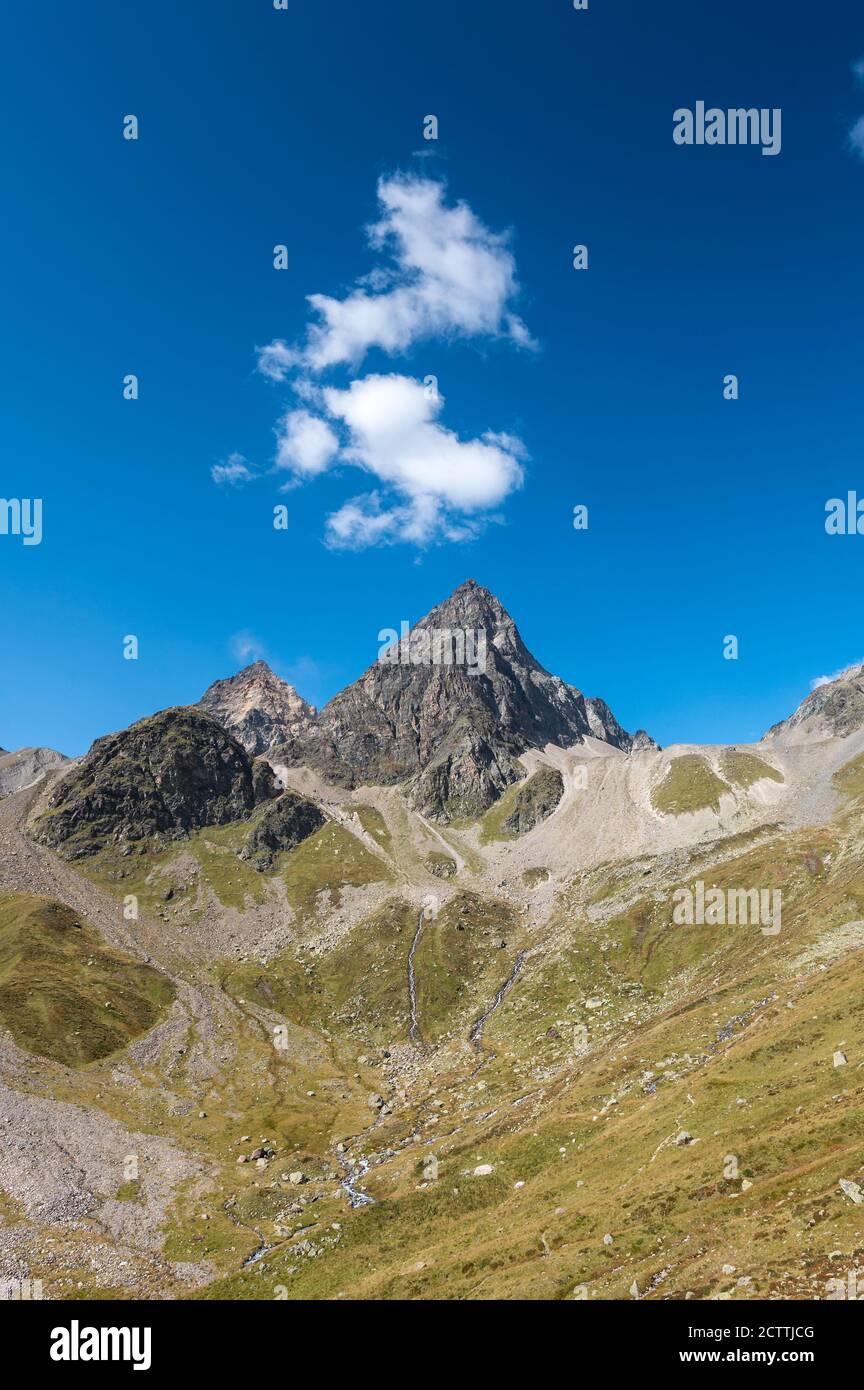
[258, 707]
[449, 709]
[469, 598]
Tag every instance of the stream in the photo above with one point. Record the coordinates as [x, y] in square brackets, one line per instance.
[413, 1031]
[478, 1026]
[261, 1250]
[353, 1176]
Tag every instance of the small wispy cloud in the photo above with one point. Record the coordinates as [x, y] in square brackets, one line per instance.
[856, 137]
[233, 472]
[838, 675]
[306, 445]
[246, 647]
[855, 134]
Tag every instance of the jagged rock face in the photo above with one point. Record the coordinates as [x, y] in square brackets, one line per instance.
[162, 777]
[456, 735]
[285, 823]
[536, 800]
[257, 707]
[605, 726]
[468, 773]
[831, 711]
[641, 740]
[22, 769]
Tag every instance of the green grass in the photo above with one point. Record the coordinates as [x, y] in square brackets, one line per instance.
[66, 994]
[233, 880]
[459, 962]
[689, 785]
[11, 1212]
[361, 984]
[492, 823]
[129, 1191]
[372, 822]
[149, 873]
[531, 877]
[331, 859]
[745, 769]
[850, 779]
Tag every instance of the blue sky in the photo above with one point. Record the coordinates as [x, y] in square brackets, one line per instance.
[258, 128]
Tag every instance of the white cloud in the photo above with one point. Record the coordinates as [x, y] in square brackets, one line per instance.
[856, 137]
[276, 360]
[446, 276]
[246, 647]
[393, 432]
[838, 675]
[432, 484]
[450, 277]
[856, 132]
[365, 521]
[306, 445]
[234, 471]
[436, 485]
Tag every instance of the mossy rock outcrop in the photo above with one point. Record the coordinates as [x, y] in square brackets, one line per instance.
[534, 801]
[160, 779]
[285, 824]
[441, 865]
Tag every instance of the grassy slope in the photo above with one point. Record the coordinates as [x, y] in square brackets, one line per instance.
[541, 1111]
[329, 860]
[64, 993]
[492, 823]
[461, 958]
[372, 822]
[745, 769]
[689, 1036]
[360, 987]
[149, 874]
[535, 798]
[362, 981]
[689, 785]
[849, 781]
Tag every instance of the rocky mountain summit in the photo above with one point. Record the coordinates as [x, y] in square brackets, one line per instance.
[162, 777]
[832, 710]
[448, 709]
[257, 707]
